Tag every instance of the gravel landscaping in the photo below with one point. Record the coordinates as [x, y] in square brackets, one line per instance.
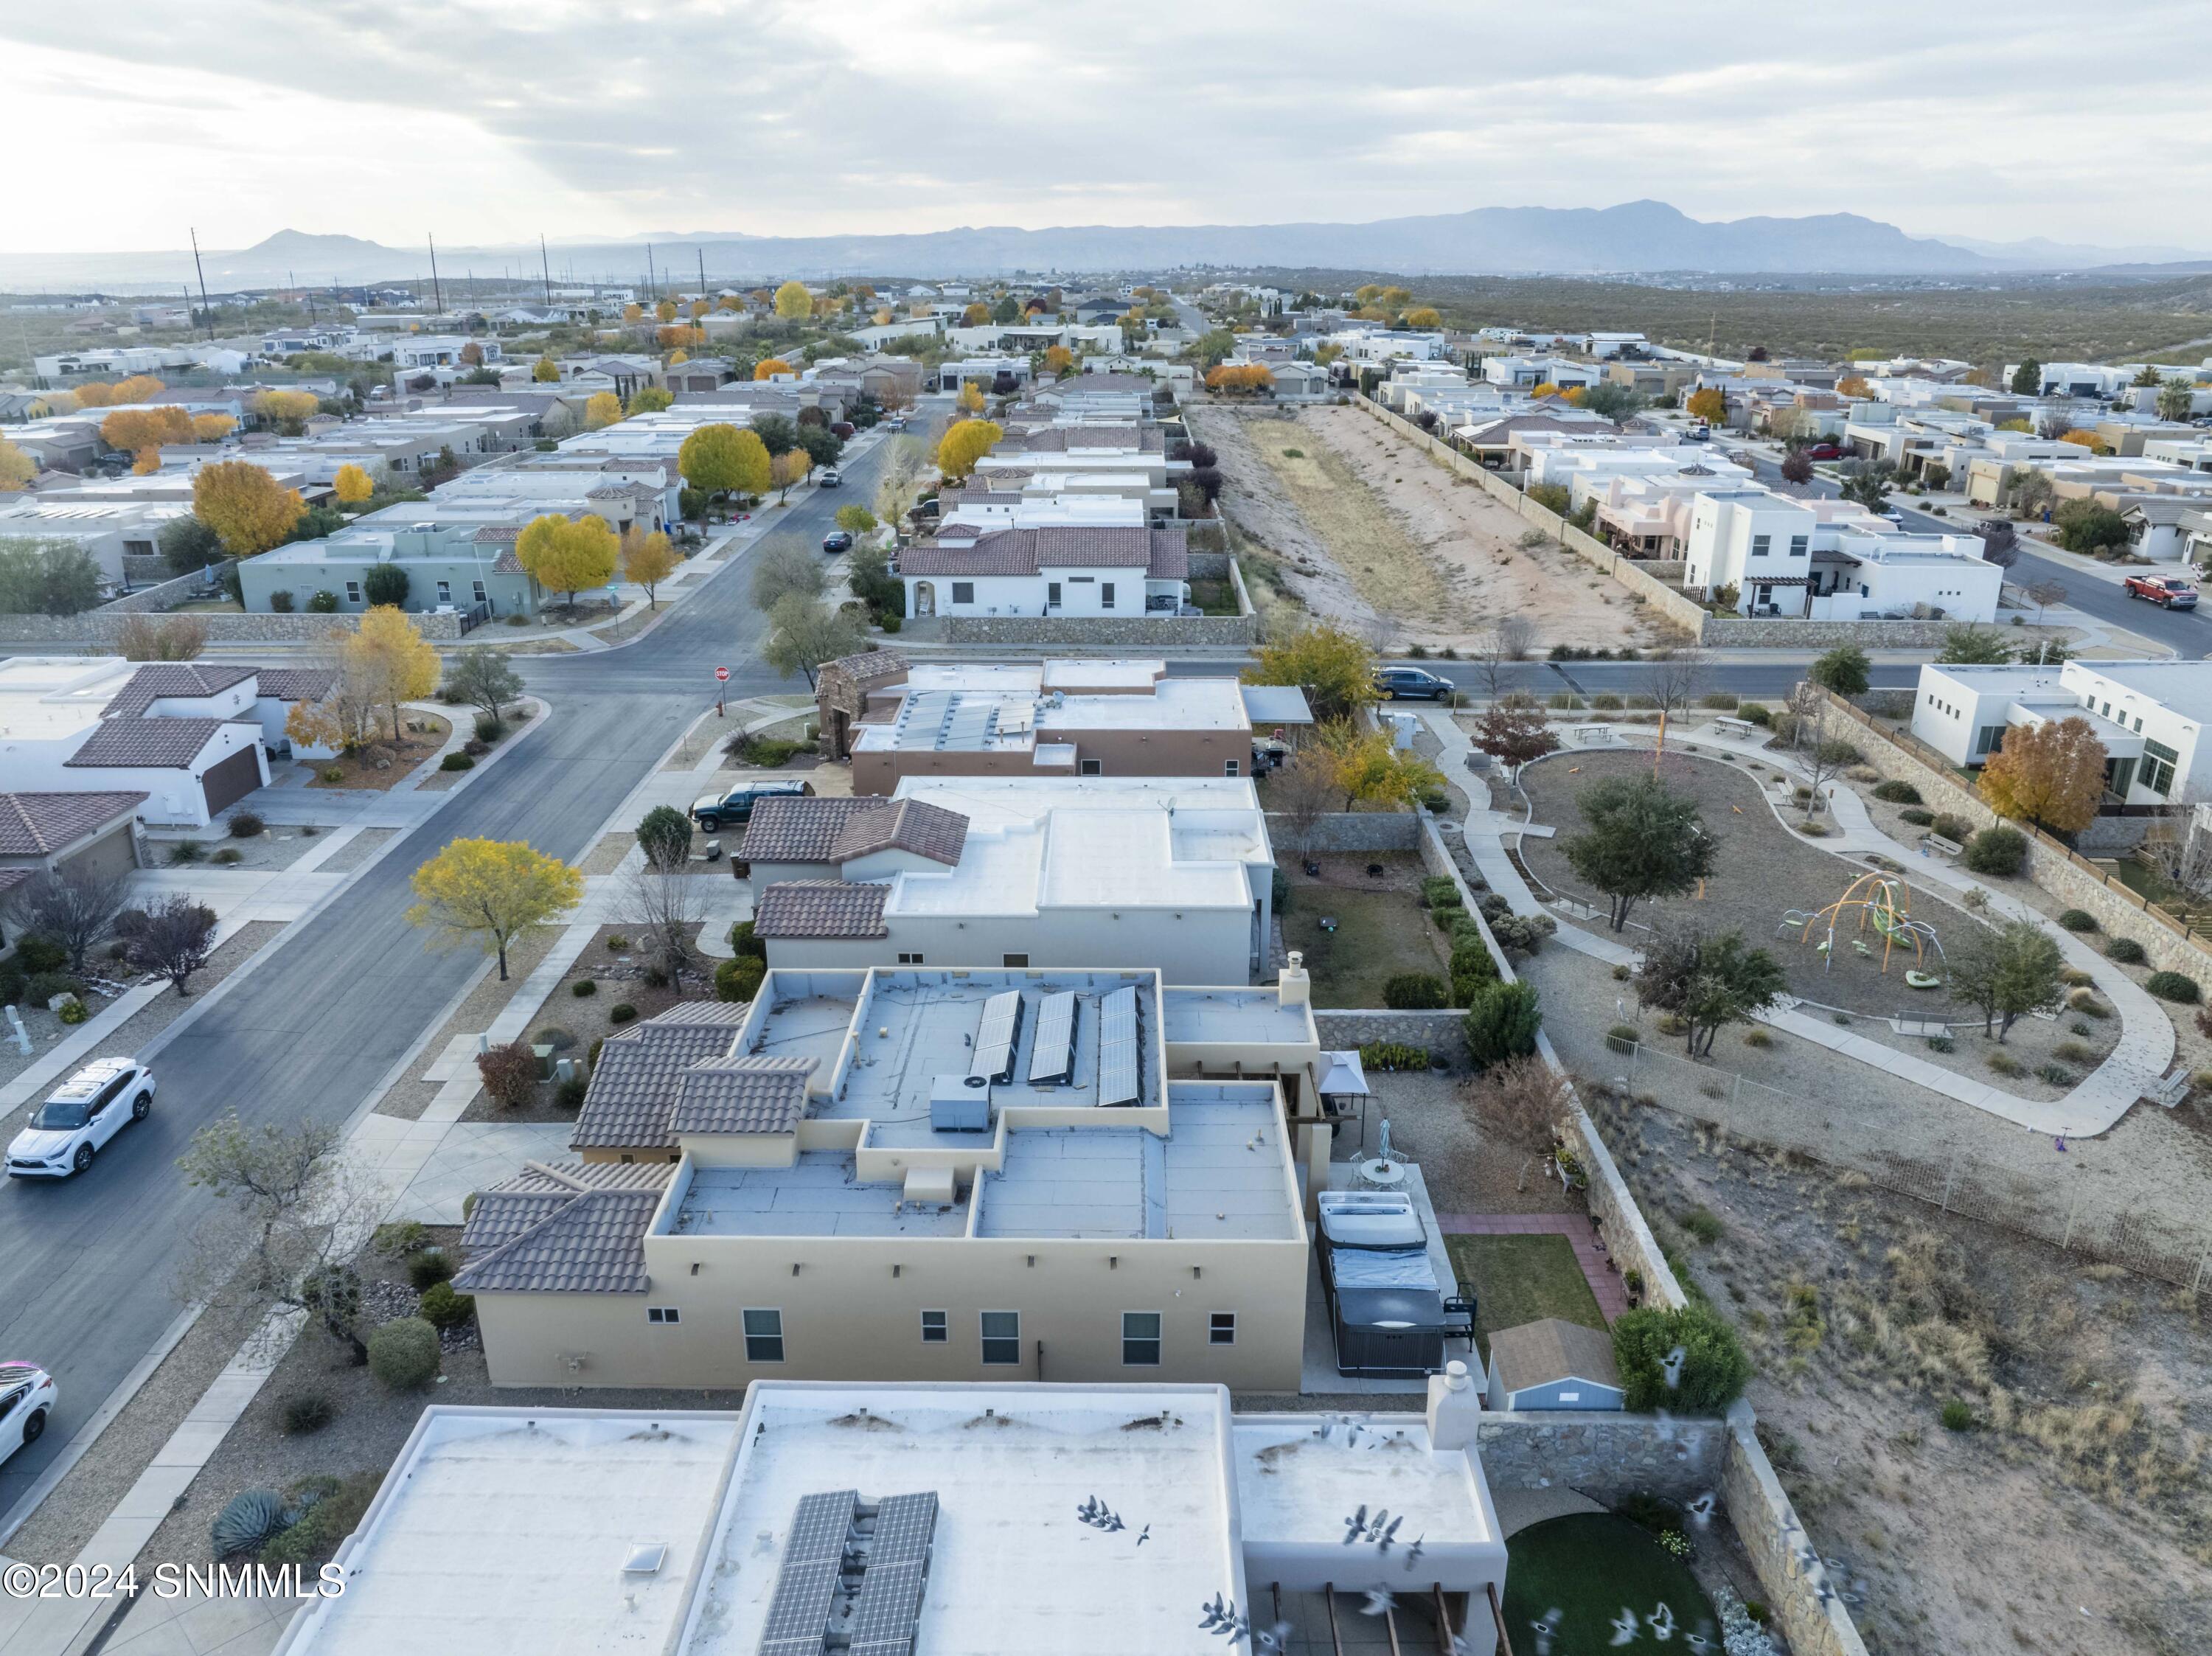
[410, 1094]
[274, 847]
[357, 851]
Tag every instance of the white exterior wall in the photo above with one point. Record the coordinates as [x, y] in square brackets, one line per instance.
[1952, 706]
[1964, 589]
[2159, 723]
[1722, 549]
[173, 797]
[1214, 946]
[989, 595]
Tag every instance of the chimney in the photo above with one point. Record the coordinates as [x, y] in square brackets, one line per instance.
[1292, 986]
[1455, 1407]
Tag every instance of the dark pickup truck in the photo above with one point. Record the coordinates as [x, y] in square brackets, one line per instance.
[711, 810]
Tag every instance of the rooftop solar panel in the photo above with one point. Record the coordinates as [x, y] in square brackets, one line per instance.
[1117, 1047]
[997, 1033]
[806, 1579]
[1052, 1051]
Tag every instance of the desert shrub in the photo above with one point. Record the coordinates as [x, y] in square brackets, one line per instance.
[1758, 1038]
[1623, 1037]
[1395, 1055]
[457, 761]
[1408, 991]
[2085, 1002]
[2173, 985]
[1438, 889]
[2126, 950]
[333, 774]
[738, 979]
[306, 1411]
[553, 1035]
[1957, 1416]
[441, 1308]
[73, 1012]
[1941, 1043]
[2078, 919]
[36, 953]
[2075, 978]
[1713, 1365]
[248, 1522]
[244, 825]
[509, 1074]
[2005, 1063]
[403, 1354]
[229, 857]
[1754, 712]
[1996, 851]
[1523, 934]
[1705, 1225]
[656, 977]
[583, 988]
[428, 1265]
[1605, 703]
[336, 1509]
[568, 1095]
[42, 986]
[1899, 793]
[2058, 1074]
[621, 1012]
[1719, 701]
[1916, 816]
[490, 729]
[1949, 827]
[1501, 1022]
[742, 942]
[1447, 915]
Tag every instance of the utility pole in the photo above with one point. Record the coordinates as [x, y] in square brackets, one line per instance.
[702, 252]
[546, 267]
[206, 307]
[437, 292]
[652, 289]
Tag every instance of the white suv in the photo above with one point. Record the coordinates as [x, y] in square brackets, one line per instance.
[79, 1117]
[26, 1397]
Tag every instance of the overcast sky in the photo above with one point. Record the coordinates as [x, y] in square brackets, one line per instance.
[495, 119]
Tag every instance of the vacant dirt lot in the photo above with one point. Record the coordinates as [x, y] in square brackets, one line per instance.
[2064, 1507]
[1376, 535]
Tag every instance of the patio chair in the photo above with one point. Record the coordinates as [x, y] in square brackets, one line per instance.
[1458, 1315]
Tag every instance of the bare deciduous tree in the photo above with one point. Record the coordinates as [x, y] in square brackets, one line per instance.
[667, 908]
[1303, 791]
[1678, 677]
[1505, 641]
[172, 939]
[2044, 594]
[1822, 754]
[77, 908]
[1520, 1102]
[2180, 848]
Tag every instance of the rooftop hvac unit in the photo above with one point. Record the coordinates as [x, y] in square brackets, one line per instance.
[959, 1104]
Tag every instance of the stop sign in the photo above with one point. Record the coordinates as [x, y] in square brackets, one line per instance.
[722, 674]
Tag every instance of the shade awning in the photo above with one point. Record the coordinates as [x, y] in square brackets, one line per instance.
[1343, 1074]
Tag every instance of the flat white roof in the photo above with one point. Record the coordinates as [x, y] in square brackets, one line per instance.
[49, 697]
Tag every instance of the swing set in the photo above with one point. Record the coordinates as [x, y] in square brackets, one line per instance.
[1884, 906]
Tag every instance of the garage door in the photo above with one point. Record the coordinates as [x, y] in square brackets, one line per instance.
[232, 779]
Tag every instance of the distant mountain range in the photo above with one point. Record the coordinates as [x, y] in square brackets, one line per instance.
[1636, 237]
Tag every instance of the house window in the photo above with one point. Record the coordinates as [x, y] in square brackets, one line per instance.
[1140, 1340]
[1221, 1328]
[1798, 544]
[1051, 594]
[445, 591]
[935, 1329]
[353, 591]
[906, 959]
[661, 1313]
[2159, 764]
[1105, 595]
[1088, 766]
[763, 1336]
[1760, 543]
[1002, 1338]
[963, 591]
[1988, 740]
[479, 589]
[1014, 960]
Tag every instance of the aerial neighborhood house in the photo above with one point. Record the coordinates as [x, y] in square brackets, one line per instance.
[188, 735]
[107, 531]
[1074, 717]
[93, 833]
[1828, 560]
[1014, 870]
[1124, 571]
[2149, 715]
[944, 1174]
[448, 566]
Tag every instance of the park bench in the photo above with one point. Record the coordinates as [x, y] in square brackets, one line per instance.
[1937, 842]
[1740, 728]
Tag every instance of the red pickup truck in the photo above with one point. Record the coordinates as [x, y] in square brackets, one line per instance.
[2169, 591]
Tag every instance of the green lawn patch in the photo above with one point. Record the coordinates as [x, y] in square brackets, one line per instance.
[1213, 597]
[1583, 1573]
[1378, 935]
[1521, 1279]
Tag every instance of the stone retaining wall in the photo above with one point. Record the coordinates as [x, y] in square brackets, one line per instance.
[1352, 830]
[1130, 631]
[98, 629]
[1605, 1455]
[1342, 1030]
[1781, 1553]
[1776, 632]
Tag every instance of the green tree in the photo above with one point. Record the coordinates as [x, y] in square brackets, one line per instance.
[803, 634]
[2027, 379]
[1843, 670]
[1684, 1359]
[1334, 668]
[1213, 348]
[385, 583]
[779, 434]
[1501, 1022]
[855, 519]
[786, 568]
[1868, 484]
[482, 679]
[867, 572]
[1616, 403]
[47, 576]
[2005, 972]
[2084, 526]
[2146, 377]
[664, 834]
[1707, 981]
[1007, 311]
[2177, 400]
[1974, 646]
[1644, 840]
[189, 545]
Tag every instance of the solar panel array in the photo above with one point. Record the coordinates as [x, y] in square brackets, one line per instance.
[966, 725]
[1052, 1051]
[889, 1602]
[807, 1582]
[1117, 1047]
[996, 1033]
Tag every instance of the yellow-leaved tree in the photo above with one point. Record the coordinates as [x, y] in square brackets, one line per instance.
[1425, 317]
[547, 371]
[472, 354]
[722, 459]
[650, 399]
[352, 485]
[699, 307]
[288, 410]
[16, 468]
[648, 561]
[678, 355]
[249, 510]
[665, 311]
[140, 428]
[768, 366]
[793, 303]
[975, 316]
[487, 892]
[2050, 774]
[1709, 404]
[1058, 359]
[390, 662]
[964, 445]
[212, 427]
[2087, 439]
[603, 409]
[565, 556]
[788, 469]
[633, 313]
[1853, 385]
[971, 399]
[1334, 666]
[146, 461]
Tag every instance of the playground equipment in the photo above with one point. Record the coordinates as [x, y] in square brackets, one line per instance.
[1883, 906]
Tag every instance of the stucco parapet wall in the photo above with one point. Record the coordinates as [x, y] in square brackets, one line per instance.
[1224, 631]
[102, 628]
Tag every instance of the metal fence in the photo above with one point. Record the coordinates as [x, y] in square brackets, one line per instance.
[2170, 1241]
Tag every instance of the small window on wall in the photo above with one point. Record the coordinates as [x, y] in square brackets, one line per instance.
[1002, 1338]
[908, 959]
[353, 591]
[661, 1313]
[1140, 1340]
[1221, 1328]
[963, 591]
[935, 1330]
[1014, 960]
[763, 1336]
[1090, 766]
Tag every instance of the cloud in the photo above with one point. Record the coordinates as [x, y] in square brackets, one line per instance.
[778, 118]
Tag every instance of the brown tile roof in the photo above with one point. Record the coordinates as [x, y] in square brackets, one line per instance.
[295, 683]
[1163, 554]
[633, 1086]
[171, 678]
[753, 1095]
[1060, 440]
[869, 663]
[1539, 1353]
[35, 824]
[125, 742]
[797, 828]
[563, 1228]
[821, 909]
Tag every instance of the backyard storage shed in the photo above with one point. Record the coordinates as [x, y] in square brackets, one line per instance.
[1552, 1364]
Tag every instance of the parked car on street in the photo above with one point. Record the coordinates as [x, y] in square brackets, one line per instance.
[837, 540]
[27, 1398]
[711, 810]
[2168, 591]
[1410, 684]
[1822, 451]
[79, 1117]
[829, 477]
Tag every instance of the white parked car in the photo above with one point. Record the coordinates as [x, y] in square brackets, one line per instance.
[79, 1117]
[27, 1398]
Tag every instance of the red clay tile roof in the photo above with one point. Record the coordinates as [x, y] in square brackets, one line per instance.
[36, 824]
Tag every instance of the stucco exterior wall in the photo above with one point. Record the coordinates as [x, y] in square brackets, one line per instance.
[1207, 946]
[1117, 753]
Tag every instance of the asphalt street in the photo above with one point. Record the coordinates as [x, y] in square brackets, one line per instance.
[1770, 678]
[87, 1265]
